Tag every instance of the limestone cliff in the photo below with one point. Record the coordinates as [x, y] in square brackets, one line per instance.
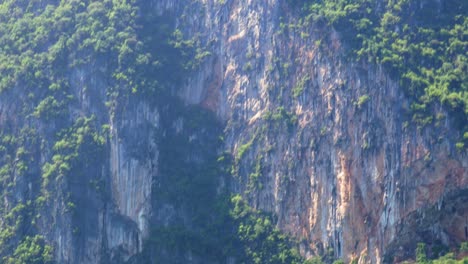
[321, 142]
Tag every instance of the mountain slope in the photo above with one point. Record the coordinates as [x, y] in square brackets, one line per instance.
[198, 131]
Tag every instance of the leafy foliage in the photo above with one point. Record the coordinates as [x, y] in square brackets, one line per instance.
[262, 241]
[449, 258]
[423, 44]
[32, 250]
[42, 41]
[79, 147]
[46, 49]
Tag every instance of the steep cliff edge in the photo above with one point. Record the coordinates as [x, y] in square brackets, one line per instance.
[125, 124]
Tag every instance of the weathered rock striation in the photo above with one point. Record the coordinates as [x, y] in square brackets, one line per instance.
[321, 142]
[340, 166]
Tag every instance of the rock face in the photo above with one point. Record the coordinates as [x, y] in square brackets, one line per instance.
[101, 211]
[325, 142]
[321, 142]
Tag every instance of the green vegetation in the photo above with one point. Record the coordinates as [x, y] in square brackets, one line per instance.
[339, 261]
[32, 250]
[16, 162]
[46, 47]
[464, 247]
[48, 109]
[422, 43]
[50, 52]
[262, 242]
[449, 258]
[244, 148]
[362, 100]
[281, 116]
[255, 176]
[421, 253]
[78, 148]
[300, 86]
[13, 222]
[43, 43]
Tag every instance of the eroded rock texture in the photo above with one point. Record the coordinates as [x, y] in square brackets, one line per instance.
[320, 141]
[325, 142]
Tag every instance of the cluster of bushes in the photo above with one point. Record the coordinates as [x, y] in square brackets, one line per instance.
[261, 241]
[281, 116]
[449, 258]
[43, 41]
[77, 148]
[31, 250]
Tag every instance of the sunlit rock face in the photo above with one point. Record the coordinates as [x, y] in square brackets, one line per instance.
[340, 166]
[319, 141]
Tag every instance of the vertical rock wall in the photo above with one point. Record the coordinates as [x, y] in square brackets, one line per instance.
[320, 141]
[327, 144]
